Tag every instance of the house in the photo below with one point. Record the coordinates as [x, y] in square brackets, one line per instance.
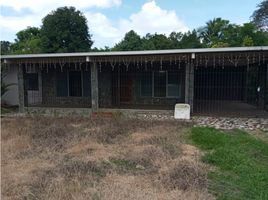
[212, 81]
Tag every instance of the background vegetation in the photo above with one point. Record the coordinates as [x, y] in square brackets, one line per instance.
[66, 30]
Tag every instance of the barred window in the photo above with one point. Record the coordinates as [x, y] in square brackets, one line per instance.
[160, 80]
[146, 84]
[32, 81]
[75, 84]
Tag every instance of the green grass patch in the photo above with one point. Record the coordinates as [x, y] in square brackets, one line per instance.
[240, 160]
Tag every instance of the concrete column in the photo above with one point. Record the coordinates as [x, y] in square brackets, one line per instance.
[246, 85]
[266, 90]
[262, 85]
[21, 88]
[187, 76]
[189, 85]
[94, 87]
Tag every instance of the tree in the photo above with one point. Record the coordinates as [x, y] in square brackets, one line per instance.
[5, 47]
[190, 40]
[157, 42]
[260, 16]
[214, 31]
[27, 41]
[131, 42]
[65, 30]
[245, 35]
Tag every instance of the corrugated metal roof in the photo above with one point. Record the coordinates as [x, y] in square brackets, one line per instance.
[133, 53]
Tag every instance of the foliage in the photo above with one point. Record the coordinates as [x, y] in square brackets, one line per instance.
[220, 33]
[260, 16]
[5, 47]
[190, 40]
[156, 42]
[214, 31]
[65, 30]
[176, 40]
[241, 163]
[131, 42]
[27, 41]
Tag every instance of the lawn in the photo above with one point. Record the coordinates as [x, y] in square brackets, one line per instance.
[240, 161]
[83, 158]
[115, 159]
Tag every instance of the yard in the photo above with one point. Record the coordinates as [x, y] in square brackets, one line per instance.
[83, 158]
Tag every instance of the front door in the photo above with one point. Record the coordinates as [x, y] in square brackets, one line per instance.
[126, 88]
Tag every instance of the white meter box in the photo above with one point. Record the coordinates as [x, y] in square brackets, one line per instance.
[182, 111]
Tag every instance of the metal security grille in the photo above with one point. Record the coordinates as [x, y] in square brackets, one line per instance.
[141, 88]
[230, 90]
[59, 87]
[226, 83]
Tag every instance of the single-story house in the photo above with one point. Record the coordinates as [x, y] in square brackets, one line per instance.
[212, 81]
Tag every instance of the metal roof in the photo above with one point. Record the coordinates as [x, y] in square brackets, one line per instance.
[135, 53]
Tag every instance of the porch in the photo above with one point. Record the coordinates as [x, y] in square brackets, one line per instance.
[215, 82]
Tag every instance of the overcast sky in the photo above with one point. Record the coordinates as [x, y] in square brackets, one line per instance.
[109, 20]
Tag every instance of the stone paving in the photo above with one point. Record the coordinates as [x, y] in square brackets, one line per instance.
[233, 123]
[226, 123]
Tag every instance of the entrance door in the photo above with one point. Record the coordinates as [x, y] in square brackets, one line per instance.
[126, 88]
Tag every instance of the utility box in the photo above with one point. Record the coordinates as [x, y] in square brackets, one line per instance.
[182, 111]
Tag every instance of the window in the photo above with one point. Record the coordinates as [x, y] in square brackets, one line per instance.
[62, 84]
[86, 83]
[160, 84]
[160, 79]
[173, 84]
[75, 84]
[146, 84]
[32, 81]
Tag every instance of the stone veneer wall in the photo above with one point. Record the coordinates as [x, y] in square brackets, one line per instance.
[105, 90]
[50, 97]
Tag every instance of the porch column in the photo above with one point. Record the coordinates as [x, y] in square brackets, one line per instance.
[94, 87]
[262, 86]
[189, 85]
[246, 85]
[21, 88]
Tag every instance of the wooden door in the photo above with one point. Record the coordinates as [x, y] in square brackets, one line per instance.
[126, 88]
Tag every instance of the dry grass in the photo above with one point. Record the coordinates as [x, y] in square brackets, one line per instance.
[81, 158]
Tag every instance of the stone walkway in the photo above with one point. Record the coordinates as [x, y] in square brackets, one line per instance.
[233, 123]
[226, 123]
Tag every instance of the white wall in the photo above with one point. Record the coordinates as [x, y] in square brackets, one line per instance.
[11, 97]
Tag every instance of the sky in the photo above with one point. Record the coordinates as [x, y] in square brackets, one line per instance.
[109, 20]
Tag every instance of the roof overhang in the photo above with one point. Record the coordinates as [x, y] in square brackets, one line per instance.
[139, 53]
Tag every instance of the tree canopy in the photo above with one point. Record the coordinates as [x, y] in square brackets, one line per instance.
[27, 41]
[131, 42]
[65, 30]
[5, 47]
[260, 16]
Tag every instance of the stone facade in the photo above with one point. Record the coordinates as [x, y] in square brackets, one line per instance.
[49, 93]
[109, 89]
[108, 80]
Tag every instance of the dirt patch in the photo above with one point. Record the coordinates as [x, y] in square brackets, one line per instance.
[82, 158]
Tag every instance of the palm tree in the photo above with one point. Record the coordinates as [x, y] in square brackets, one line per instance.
[213, 32]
